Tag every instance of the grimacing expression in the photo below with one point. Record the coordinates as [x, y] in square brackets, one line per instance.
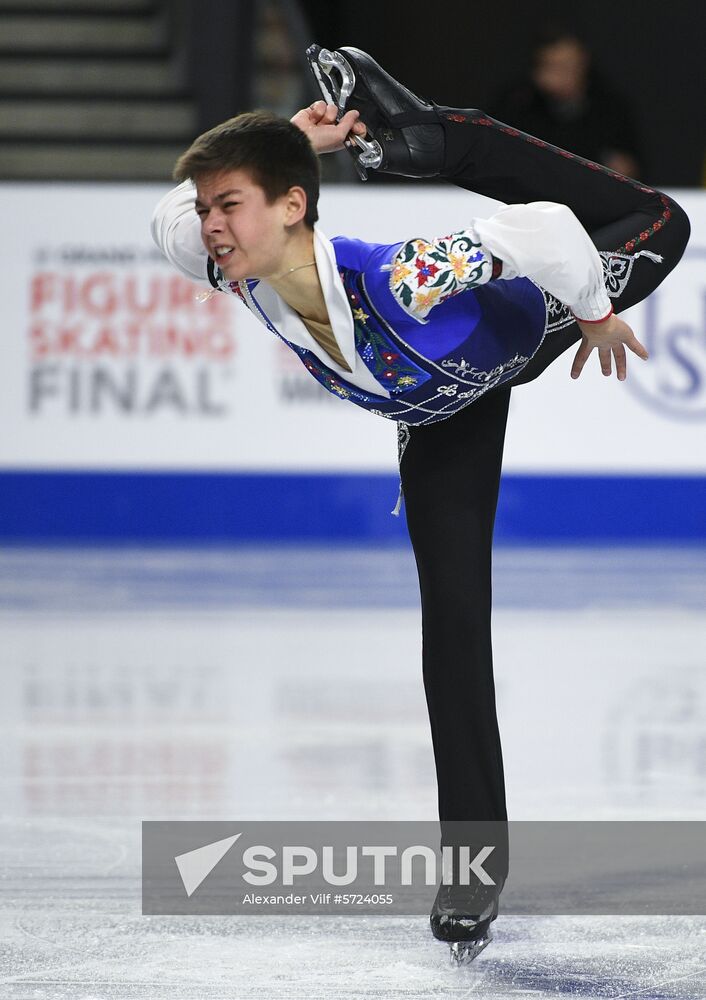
[244, 234]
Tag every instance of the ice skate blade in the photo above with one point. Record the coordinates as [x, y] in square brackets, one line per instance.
[463, 952]
[343, 87]
[336, 80]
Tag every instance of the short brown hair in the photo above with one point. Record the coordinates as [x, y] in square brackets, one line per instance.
[276, 154]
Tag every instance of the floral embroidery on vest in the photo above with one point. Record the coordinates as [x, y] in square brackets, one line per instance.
[332, 382]
[382, 358]
[326, 378]
[422, 274]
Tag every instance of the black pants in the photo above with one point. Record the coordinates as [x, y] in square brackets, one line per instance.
[451, 469]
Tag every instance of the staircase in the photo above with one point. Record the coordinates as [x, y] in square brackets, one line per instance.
[93, 89]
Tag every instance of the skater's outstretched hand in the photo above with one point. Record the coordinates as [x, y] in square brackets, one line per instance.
[318, 121]
[610, 337]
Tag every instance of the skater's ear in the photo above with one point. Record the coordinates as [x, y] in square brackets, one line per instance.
[295, 203]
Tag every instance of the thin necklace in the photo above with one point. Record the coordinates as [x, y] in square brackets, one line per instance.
[297, 268]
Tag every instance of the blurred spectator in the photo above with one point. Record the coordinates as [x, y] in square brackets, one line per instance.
[280, 79]
[565, 102]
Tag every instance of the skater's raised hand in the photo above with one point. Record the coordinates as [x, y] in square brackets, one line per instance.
[610, 337]
[318, 121]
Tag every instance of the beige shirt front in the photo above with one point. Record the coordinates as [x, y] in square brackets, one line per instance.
[324, 337]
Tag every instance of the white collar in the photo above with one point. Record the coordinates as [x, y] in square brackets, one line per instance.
[289, 323]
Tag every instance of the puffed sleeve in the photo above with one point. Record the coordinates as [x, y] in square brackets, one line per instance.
[176, 230]
[545, 241]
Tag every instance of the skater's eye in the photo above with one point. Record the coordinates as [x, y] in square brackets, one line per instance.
[230, 204]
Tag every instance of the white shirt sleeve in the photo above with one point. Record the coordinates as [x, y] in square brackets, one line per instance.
[176, 230]
[545, 241]
[542, 240]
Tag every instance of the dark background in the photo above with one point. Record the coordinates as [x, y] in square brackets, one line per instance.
[651, 53]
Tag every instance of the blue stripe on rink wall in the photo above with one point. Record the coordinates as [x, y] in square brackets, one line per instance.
[183, 508]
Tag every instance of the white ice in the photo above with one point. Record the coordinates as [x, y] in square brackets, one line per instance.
[286, 684]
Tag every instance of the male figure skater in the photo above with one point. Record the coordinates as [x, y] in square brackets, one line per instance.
[431, 332]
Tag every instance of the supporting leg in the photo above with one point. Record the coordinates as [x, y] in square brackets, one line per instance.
[450, 476]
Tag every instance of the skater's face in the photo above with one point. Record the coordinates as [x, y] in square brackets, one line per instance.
[247, 236]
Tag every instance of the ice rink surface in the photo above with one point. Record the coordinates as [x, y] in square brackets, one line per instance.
[286, 684]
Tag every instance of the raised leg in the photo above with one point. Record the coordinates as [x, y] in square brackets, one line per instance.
[629, 278]
[418, 138]
[492, 158]
[644, 230]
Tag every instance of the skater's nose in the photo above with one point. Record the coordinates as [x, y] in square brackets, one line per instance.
[212, 221]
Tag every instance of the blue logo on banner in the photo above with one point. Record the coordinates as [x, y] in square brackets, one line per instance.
[672, 326]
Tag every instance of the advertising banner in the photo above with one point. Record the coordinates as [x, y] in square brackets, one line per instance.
[111, 362]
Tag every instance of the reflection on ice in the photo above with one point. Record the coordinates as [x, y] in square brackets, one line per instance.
[234, 684]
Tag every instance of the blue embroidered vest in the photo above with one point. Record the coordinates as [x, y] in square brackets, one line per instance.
[471, 342]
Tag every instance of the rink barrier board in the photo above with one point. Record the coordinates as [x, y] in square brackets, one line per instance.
[111, 361]
[73, 507]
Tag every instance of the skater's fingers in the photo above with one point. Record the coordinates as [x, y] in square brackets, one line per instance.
[604, 354]
[329, 116]
[620, 362]
[626, 334]
[349, 120]
[636, 347]
[317, 110]
[580, 359]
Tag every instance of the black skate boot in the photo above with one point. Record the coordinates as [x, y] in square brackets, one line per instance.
[405, 135]
[452, 920]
